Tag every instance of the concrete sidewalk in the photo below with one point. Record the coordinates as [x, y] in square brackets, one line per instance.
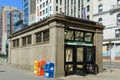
[8, 72]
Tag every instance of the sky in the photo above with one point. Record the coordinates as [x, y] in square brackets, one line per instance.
[14, 3]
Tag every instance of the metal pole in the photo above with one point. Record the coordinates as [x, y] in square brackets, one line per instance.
[107, 57]
[110, 60]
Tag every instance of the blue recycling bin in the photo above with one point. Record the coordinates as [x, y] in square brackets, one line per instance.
[49, 74]
[49, 66]
[49, 70]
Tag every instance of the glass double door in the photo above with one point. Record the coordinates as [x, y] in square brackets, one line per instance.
[78, 59]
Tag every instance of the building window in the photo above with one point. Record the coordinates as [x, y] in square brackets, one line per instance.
[88, 37]
[79, 36]
[47, 2]
[88, 0]
[43, 4]
[118, 18]
[23, 41]
[40, 6]
[46, 35]
[38, 37]
[60, 10]
[100, 8]
[50, 8]
[56, 8]
[100, 20]
[117, 33]
[88, 17]
[40, 13]
[16, 43]
[43, 12]
[69, 34]
[118, 1]
[26, 40]
[88, 8]
[46, 10]
[56, 1]
[60, 2]
[29, 39]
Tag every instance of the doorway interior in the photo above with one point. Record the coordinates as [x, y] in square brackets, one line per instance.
[79, 59]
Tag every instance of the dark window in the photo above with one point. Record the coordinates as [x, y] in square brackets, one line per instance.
[40, 13]
[13, 43]
[56, 8]
[100, 20]
[56, 1]
[40, 6]
[46, 10]
[88, 8]
[117, 33]
[43, 4]
[88, 0]
[118, 18]
[24, 41]
[29, 39]
[43, 12]
[46, 2]
[118, 1]
[46, 35]
[50, 8]
[38, 37]
[100, 8]
[88, 17]
[60, 2]
[16, 43]
[60, 10]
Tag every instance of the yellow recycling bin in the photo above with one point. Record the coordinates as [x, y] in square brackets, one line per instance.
[35, 67]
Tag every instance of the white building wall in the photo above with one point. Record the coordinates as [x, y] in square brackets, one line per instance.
[109, 20]
[107, 4]
[53, 5]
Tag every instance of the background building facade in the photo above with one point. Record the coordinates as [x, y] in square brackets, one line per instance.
[29, 7]
[75, 8]
[107, 12]
[10, 15]
[0, 31]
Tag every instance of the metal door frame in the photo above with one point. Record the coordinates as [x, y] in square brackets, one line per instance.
[74, 62]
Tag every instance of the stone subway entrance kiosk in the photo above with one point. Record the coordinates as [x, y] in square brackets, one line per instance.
[72, 44]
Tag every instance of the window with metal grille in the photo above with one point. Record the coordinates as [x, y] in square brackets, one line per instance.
[46, 35]
[38, 37]
[16, 43]
[29, 39]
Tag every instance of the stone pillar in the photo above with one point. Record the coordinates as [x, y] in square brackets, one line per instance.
[33, 39]
[98, 39]
[9, 55]
[57, 49]
[20, 42]
[60, 53]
